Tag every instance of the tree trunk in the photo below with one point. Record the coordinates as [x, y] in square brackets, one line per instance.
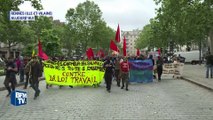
[200, 44]
[211, 41]
[9, 49]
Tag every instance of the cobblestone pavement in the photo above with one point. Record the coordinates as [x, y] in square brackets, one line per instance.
[167, 100]
[2, 87]
[2, 81]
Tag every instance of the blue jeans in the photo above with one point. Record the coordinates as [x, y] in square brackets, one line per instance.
[209, 68]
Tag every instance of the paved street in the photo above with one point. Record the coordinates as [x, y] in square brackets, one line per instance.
[2, 87]
[170, 99]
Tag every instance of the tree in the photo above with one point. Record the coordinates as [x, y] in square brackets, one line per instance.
[50, 33]
[145, 38]
[102, 34]
[87, 27]
[50, 42]
[32, 33]
[12, 32]
[28, 37]
[179, 22]
[40, 24]
[151, 36]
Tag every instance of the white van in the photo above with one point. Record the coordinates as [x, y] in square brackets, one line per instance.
[190, 56]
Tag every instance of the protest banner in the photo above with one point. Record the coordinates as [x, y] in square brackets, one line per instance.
[175, 69]
[74, 73]
[141, 71]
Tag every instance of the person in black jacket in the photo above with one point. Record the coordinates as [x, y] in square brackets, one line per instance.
[153, 63]
[35, 73]
[108, 65]
[11, 70]
[209, 65]
[159, 63]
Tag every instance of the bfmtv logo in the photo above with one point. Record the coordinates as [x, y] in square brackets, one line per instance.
[18, 98]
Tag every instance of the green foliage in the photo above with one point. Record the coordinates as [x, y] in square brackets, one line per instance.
[180, 22]
[50, 42]
[50, 35]
[40, 24]
[84, 25]
[28, 49]
[145, 38]
[87, 27]
[14, 32]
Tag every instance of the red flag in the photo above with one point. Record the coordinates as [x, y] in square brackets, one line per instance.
[40, 52]
[100, 53]
[39, 48]
[124, 47]
[113, 46]
[90, 53]
[159, 51]
[138, 52]
[117, 36]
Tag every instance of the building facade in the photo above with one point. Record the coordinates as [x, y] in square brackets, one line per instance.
[131, 37]
[14, 51]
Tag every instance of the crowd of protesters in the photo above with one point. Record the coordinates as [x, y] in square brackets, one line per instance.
[30, 70]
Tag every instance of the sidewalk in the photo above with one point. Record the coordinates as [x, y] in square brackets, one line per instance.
[197, 75]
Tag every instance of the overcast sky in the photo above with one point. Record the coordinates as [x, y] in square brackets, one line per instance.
[130, 14]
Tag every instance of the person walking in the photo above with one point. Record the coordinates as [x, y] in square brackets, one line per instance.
[21, 68]
[153, 64]
[209, 65]
[124, 66]
[35, 73]
[11, 70]
[117, 71]
[108, 65]
[159, 63]
[27, 72]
